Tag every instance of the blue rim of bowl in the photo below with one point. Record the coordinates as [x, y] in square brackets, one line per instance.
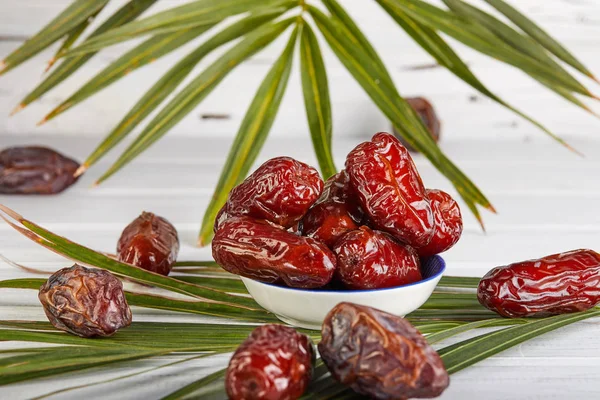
[325, 291]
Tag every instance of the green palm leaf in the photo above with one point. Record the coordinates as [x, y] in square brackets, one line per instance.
[533, 30]
[70, 39]
[65, 22]
[197, 90]
[468, 352]
[519, 41]
[484, 41]
[370, 77]
[150, 50]
[252, 134]
[316, 100]
[354, 33]
[431, 42]
[128, 12]
[169, 82]
[190, 15]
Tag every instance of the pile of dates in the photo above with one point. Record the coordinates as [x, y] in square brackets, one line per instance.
[376, 354]
[367, 227]
[91, 302]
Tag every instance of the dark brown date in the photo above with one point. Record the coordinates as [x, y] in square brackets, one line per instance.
[280, 191]
[380, 355]
[390, 189]
[368, 259]
[274, 363]
[85, 302]
[334, 213]
[448, 223]
[35, 170]
[557, 284]
[149, 242]
[427, 113]
[266, 252]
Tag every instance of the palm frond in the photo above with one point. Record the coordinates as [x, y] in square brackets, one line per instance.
[171, 80]
[537, 33]
[368, 74]
[129, 12]
[68, 20]
[316, 100]
[197, 90]
[190, 15]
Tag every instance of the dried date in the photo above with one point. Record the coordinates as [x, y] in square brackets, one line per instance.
[281, 191]
[557, 284]
[390, 189]
[380, 355]
[274, 363]
[85, 302]
[266, 252]
[334, 213]
[368, 259]
[149, 242]
[427, 113]
[35, 170]
[448, 223]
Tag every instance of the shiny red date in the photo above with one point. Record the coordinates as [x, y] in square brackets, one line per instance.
[368, 259]
[390, 189]
[280, 191]
[334, 213]
[274, 363]
[557, 284]
[268, 253]
[149, 242]
[448, 223]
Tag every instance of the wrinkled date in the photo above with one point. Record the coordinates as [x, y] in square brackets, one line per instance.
[368, 259]
[557, 284]
[35, 170]
[426, 112]
[334, 213]
[380, 355]
[85, 302]
[266, 252]
[149, 242]
[281, 191]
[390, 189]
[448, 223]
[274, 363]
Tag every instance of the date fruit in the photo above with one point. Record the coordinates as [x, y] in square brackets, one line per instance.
[35, 170]
[557, 284]
[380, 355]
[85, 302]
[260, 250]
[274, 363]
[390, 189]
[334, 213]
[280, 191]
[368, 259]
[149, 242]
[426, 112]
[448, 223]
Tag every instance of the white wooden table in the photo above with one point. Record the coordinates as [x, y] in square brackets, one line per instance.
[547, 198]
[545, 205]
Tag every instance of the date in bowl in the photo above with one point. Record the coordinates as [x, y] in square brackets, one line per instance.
[307, 308]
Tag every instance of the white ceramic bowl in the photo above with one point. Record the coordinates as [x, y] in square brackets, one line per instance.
[307, 308]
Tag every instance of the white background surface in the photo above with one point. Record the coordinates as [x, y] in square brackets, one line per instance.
[547, 198]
